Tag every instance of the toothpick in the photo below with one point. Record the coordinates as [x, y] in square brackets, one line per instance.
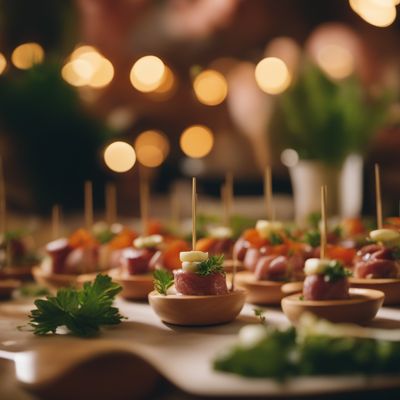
[378, 197]
[268, 192]
[144, 201]
[324, 224]
[3, 204]
[88, 205]
[55, 221]
[194, 205]
[111, 203]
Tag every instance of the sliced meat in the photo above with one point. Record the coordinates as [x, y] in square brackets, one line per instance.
[240, 248]
[262, 270]
[376, 269]
[191, 283]
[316, 288]
[136, 261]
[251, 258]
[58, 250]
[82, 260]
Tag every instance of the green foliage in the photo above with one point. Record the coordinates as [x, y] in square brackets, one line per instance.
[336, 271]
[275, 239]
[282, 354]
[211, 266]
[163, 280]
[82, 312]
[260, 314]
[326, 120]
[313, 238]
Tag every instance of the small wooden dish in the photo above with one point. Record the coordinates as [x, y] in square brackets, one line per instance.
[260, 292]
[197, 310]
[391, 288]
[228, 266]
[134, 287]
[361, 307]
[53, 281]
[292, 287]
[7, 286]
[19, 273]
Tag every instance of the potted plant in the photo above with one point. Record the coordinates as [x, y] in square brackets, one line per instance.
[330, 125]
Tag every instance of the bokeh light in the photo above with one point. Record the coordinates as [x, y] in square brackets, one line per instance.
[210, 87]
[147, 74]
[87, 67]
[27, 55]
[168, 82]
[289, 158]
[380, 13]
[152, 148]
[3, 63]
[272, 75]
[119, 156]
[336, 61]
[197, 141]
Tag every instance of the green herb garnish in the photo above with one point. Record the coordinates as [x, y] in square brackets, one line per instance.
[211, 266]
[163, 280]
[313, 238]
[105, 236]
[260, 314]
[275, 239]
[287, 353]
[83, 311]
[335, 271]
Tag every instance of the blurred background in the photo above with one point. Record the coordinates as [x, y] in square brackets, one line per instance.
[200, 88]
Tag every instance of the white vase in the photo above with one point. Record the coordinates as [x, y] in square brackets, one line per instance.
[344, 187]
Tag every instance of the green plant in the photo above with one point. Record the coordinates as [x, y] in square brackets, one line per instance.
[326, 120]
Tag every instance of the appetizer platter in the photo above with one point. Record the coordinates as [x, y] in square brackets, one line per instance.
[198, 293]
[326, 291]
[377, 265]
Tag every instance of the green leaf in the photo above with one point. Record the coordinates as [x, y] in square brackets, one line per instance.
[211, 266]
[83, 311]
[336, 271]
[163, 280]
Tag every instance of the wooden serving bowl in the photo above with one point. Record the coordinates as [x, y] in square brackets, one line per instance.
[292, 287]
[361, 307]
[18, 273]
[134, 287]
[197, 310]
[391, 288]
[260, 292]
[57, 281]
[228, 266]
[7, 286]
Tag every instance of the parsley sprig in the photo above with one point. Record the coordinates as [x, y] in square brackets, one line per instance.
[82, 312]
[163, 280]
[335, 271]
[275, 239]
[313, 238]
[211, 266]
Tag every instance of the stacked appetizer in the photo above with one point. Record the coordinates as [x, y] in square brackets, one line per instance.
[377, 265]
[197, 293]
[17, 255]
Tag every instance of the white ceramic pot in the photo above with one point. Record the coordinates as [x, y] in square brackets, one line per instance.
[344, 187]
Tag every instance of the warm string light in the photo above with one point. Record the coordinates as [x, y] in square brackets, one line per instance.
[147, 74]
[197, 141]
[3, 63]
[380, 13]
[87, 67]
[210, 87]
[336, 61]
[152, 148]
[119, 156]
[272, 75]
[27, 55]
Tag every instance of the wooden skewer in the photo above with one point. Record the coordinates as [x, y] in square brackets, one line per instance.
[55, 221]
[3, 204]
[175, 214]
[378, 197]
[324, 224]
[194, 207]
[268, 192]
[88, 205]
[111, 203]
[144, 201]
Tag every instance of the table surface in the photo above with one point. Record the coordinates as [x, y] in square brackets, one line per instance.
[181, 355]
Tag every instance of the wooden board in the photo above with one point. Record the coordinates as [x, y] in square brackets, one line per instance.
[181, 355]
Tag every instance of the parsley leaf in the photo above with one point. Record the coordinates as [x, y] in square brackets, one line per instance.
[211, 266]
[259, 313]
[163, 280]
[335, 271]
[313, 238]
[275, 239]
[81, 311]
